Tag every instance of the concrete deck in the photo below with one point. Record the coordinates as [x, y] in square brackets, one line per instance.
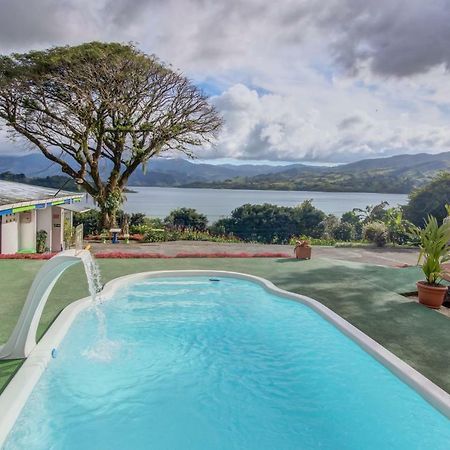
[377, 256]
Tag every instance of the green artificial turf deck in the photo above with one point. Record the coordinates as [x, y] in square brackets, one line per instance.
[365, 295]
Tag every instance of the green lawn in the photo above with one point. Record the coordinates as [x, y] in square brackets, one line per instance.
[365, 295]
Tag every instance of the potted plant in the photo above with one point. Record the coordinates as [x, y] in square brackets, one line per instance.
[41, 239]
[302, 249]
[434, 251]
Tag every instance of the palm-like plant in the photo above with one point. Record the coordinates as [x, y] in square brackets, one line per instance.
[434, 248]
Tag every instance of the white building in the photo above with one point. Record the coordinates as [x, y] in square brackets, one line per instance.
[26, 209]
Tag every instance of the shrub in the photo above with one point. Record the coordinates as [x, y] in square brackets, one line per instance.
[90, 221]
[353, 219]
[148, 224]
[344, 232]
[186, 218]
[41, 238]
[308, 218]
[312, 241]
[376, 232]
[329, 224]
[158, 235]
[164, 235]
[399, 229]
[272, 223]
[261, 223]
[372, 213]
[222, 226]
[429, 200]
[137, 219]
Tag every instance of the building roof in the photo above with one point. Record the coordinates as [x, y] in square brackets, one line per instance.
[17, 195]
[76, 207]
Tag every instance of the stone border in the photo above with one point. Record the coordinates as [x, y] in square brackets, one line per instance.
[16, 393]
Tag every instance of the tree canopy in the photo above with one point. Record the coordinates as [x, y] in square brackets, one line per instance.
[429, 200]
[186, 218]
[100, 110]
[271, 223]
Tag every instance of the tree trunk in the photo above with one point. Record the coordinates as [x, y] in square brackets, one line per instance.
[107, 218]
[109, 200]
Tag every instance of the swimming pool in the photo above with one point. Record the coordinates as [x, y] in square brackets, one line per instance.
[191, 363]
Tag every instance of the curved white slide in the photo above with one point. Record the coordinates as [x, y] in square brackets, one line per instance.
[23, 338]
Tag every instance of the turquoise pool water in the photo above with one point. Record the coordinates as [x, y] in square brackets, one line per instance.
[196, 364]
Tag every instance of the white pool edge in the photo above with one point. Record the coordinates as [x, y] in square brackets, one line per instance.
[16, 393]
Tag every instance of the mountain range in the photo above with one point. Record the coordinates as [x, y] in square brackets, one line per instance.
[396, 174]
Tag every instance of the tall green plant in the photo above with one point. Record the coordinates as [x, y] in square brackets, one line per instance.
[68, 234]
[434, 248]
[376, 232]
[41, 239]
[398, 227]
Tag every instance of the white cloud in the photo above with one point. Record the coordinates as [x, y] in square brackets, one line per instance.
[271, 126]
[334, 80]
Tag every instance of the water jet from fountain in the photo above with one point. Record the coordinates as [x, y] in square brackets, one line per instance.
[23, 338]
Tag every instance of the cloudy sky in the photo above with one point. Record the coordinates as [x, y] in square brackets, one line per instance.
[296, 80]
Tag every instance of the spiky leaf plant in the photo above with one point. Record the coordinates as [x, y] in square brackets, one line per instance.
[434, 248]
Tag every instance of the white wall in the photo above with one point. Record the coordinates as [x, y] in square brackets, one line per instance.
[44, 222]
[10, 233]
[27, 230]
[19, 230]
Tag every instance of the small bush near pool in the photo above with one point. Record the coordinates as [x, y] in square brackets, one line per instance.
[376, 232]
[163, 235]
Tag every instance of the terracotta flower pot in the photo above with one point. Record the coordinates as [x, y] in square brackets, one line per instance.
[431, 296]
[302, 251]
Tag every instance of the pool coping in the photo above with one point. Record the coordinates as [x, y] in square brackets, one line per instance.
[16, 393]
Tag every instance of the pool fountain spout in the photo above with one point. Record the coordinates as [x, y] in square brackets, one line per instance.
[23, 338]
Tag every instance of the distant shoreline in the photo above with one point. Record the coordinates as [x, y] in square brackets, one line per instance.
[158, 201]
[271, 189]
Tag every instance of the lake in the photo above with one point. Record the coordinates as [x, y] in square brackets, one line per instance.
[218, 203]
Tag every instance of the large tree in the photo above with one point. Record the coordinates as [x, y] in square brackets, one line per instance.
[429, 199]
[99, 102]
